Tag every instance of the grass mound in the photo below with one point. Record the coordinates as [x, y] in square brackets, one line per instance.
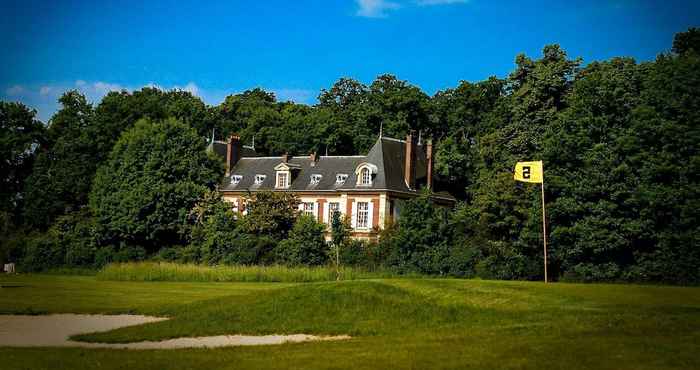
[165, 271]
[354, 308]
[395, 323]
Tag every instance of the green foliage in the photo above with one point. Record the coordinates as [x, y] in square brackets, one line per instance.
[422, 239]
[687, 42]
[619, 140]
[20, 134]
[79, 233]
[41, 252]
[270, 214]
[152, 179]
[305, 245]
[355, 252]
[66, 163]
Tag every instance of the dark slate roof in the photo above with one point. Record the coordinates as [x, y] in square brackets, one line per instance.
[387, 154]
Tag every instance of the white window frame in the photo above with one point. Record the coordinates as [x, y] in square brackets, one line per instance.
[236, 179]
[315, 179]
[308, 208]
[328, 211]
[259, 179]
[365, 176]
[341, 178]
[331, 211]
[327, 216]
[286, 175]
[362, 221]
[356, 215]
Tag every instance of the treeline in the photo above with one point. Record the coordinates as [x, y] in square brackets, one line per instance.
[619, 140]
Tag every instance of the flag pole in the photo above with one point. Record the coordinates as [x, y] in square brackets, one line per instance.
[544, 228]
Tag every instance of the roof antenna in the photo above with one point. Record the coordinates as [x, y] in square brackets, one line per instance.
[326, 149]
[253, 146]
[381, 129]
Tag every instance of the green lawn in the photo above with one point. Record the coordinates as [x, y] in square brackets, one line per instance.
[395, 323]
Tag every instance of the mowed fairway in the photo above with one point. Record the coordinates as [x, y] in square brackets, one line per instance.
[395, 323]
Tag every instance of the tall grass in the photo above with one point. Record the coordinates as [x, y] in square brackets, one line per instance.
[166, 271]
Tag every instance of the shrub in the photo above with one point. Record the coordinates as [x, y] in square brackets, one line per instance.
[355, 253]
[78, 233]
[305, 245]
[104, 256]
[462, 260]
[125, 253]
[42, 253]
[421, 240]
[270, 214]
[12, 247]
[130, 253]
[168, 254]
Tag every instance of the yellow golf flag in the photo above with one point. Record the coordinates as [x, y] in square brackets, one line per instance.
[529, 172]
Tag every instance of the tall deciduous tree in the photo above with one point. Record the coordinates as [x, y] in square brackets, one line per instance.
[66, 162]
[20, 134]
[154, 176]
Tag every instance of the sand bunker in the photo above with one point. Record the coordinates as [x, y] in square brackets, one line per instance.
[54, 331]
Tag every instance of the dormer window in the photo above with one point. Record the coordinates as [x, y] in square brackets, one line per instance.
[284, 174]
[340, 178]
[365, 172]
[235, 179]
[259, 179]
[282, 179]
[315, 179]
[365, 177]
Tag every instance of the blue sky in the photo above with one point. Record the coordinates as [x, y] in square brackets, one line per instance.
[295, 48]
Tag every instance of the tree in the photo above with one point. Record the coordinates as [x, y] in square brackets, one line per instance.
[686, 42]
[20, 134]
[154, 176]
[270, 214]
[66, 163]
[340, 232]
[506, 214]
[421, 240]
[217, 238]
[251, 114]
[306, 244]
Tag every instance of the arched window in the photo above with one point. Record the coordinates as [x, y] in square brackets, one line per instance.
[365, 176]
[365, 171]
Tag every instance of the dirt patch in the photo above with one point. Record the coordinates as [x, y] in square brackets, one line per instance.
[54, 331]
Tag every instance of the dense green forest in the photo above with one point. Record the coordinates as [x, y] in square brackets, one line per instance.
[129, 177]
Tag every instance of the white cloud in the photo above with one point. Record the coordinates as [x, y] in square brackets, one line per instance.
[191, 87]
[302, 96]
[44, 97]
[381, 8]
[375, 8]
[14, 90]
[103, 88]
[439, 2]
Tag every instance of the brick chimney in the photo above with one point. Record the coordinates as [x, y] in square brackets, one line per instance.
[410, 159]
[429, 159]
[285, 157]
[313, 158]
[233, 152]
